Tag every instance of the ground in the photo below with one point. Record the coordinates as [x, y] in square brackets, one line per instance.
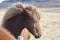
[50, 23]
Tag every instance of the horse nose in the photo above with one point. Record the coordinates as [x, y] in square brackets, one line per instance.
[38, 36]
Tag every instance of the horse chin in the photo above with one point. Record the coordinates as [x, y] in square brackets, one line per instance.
[37, 36]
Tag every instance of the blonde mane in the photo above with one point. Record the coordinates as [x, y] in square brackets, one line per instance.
[18, 8]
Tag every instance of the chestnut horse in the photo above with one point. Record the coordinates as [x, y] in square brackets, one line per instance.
[5, 35]
[28, 18]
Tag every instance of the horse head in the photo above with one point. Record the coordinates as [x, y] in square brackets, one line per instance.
[17, 18]
[32, 21]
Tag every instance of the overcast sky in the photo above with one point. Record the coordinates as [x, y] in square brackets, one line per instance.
[1, 1]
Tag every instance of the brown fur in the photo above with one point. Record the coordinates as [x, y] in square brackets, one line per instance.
[34, 10]
[19, 9]
[5, 35]
[14, 10]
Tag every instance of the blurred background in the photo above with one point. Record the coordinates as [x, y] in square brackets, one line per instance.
[38, 3]
[50, 21]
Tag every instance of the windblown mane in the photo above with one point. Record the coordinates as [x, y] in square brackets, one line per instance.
[18, 9]
[34, 10]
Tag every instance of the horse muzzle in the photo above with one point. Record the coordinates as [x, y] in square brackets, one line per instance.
[37, 36]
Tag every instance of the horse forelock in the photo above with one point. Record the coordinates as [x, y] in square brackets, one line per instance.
[34, 11]
[14, 10]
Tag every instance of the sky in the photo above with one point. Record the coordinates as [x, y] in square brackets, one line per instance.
[1, 1]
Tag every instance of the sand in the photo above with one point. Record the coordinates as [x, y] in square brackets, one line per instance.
[50, 23]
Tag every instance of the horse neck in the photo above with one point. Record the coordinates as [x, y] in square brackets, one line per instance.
[15, 25]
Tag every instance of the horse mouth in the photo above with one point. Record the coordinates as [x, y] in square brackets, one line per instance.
[37, 36]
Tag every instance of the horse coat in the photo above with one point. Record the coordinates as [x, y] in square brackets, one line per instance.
[20, 9]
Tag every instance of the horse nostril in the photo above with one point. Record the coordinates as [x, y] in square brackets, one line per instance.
[38, 36]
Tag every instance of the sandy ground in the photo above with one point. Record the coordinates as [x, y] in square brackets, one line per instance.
[50, 23]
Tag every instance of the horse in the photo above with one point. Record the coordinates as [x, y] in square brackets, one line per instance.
[19, 17]
[5, 35]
